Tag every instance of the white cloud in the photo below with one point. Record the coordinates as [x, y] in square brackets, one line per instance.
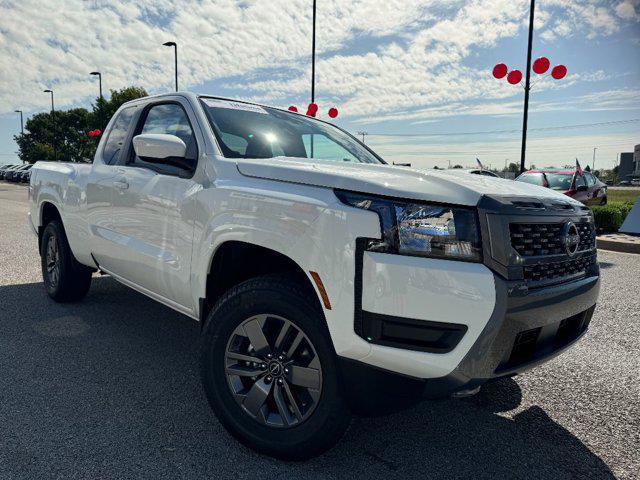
[627, 10]
[418, 61]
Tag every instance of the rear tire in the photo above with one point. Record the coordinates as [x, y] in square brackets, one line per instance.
[286, 400]
[65, 279]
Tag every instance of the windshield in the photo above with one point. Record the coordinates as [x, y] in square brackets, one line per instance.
[244, 130]
[555, 181]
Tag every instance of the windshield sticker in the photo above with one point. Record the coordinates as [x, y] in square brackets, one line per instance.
[247, 107]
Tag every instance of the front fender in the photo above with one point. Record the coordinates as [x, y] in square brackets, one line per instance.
[306, 224]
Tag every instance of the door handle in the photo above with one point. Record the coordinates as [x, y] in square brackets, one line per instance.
[121, 184]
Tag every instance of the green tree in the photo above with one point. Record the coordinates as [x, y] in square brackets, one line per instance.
[104, 109]
[458, 166]
[64, 135]
[513, 168]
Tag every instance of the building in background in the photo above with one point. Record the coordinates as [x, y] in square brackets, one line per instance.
[627, 166]
[636, 160]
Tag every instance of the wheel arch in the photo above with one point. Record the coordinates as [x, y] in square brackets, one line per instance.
[235, 261]
[48, 211]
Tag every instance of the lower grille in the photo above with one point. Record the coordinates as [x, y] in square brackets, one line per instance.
[540, 342]
[558, 270]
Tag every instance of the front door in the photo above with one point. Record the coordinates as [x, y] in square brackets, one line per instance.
[154, 211]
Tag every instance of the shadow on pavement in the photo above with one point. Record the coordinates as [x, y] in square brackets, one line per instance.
[110, 388]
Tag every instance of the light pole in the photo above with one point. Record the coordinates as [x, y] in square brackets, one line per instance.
[53, 112]
[21, 122]
[363, 135]
[527, 87]
[593, 164]
[99, 80]
[175, 51]
[540, 66]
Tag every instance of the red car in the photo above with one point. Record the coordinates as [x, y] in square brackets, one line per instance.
[585, 187]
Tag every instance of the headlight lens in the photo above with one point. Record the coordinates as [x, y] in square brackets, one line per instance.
[421, 229]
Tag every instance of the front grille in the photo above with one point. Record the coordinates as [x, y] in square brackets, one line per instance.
[537, 239]
[587, 233]
[558, 270]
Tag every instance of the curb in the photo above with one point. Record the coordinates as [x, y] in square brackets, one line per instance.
[618, 242]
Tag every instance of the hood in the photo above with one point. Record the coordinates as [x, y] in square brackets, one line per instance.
[393, 181]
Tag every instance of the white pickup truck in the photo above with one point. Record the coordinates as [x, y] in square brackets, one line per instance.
[321, 276]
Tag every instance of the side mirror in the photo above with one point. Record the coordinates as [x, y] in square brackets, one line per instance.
[159, 146]
[582, 188]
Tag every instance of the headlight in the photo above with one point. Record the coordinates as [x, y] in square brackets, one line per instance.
[421, 229]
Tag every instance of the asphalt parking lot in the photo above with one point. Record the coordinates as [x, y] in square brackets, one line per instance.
[109, 388]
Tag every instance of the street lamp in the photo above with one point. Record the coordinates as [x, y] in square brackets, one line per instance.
[175, 51]
[21, 122]
[99, 80]
[53, 111]
[593, 164]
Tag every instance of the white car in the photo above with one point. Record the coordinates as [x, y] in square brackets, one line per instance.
[322, 277]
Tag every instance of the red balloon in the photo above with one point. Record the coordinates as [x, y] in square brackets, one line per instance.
[312, 109]
[541, 65]
[558, 72]
[333, 112]
[500, 70]
[514, 77]
[293, 108]
[92, 133]
[98, 132]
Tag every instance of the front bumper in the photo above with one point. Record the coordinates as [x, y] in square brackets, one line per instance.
[524, 331]
[526, 328]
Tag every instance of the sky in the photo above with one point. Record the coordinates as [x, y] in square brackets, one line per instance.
[416, 75]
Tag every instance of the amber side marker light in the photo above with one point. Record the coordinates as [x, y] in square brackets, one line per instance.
[323, 292]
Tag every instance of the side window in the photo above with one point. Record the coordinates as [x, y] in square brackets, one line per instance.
[591, 180]
[326, 149]
[580, 181]
[171, 119]
[117, 136]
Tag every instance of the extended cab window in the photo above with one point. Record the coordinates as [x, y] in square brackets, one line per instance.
[245, 130]
[170, 119]
[591, 180]
[117, 136]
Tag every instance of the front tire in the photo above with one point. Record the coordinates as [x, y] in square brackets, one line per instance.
[270, 372]
[65, 279]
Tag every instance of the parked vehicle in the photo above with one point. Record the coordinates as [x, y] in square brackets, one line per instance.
[18, 175]
[584, 187]
[6, 169]
[322, 277]
[472, 171]
[24, 175]
[13, 175]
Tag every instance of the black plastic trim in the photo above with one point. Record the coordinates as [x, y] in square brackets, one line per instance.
[411, 334]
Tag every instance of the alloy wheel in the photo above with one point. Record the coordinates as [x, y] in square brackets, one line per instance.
[273, 371]
[53, 261]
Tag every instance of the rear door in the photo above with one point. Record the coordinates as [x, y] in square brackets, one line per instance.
[154, 209]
